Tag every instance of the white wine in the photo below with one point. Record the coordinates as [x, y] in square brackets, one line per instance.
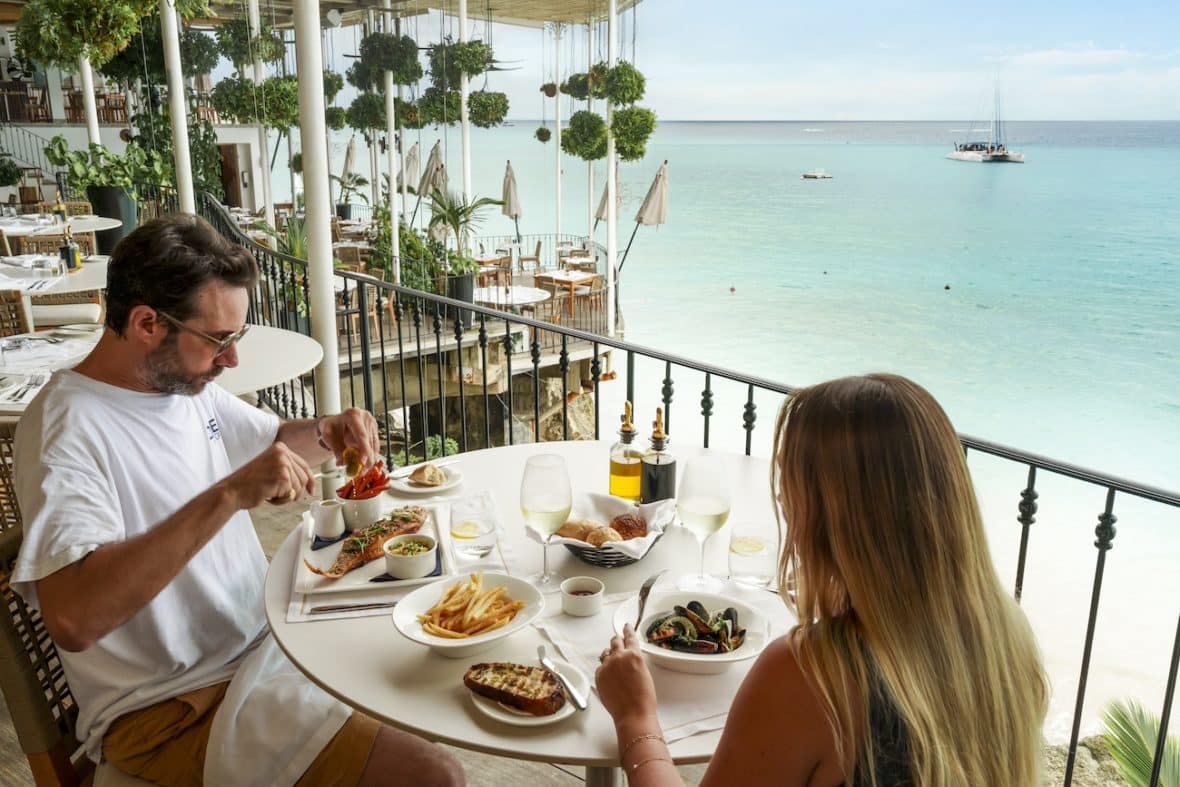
[703, 515]
[544, 519]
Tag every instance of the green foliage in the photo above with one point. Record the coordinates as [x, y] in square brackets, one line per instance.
[335, 118]
[381, 52]
[153, 132]
[10, 174]
[439, 108]
[98, 166]
[458, 217]
[59, 32]
[632, 127]
[366, 113]
[333, 84]
[596, 80]
[144, 57]
[542, 134]
[486, 109]
[1132, 732]
[549, 89]
[624, 84]
[586, 136]
[408, 114]
[436, 448]
[451, 59]
[419, 254]
[274, 102]
[233, 37]
[577, 86]
[351, 184]
[297, 163]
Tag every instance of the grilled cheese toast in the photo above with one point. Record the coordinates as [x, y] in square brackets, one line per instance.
[533, 690]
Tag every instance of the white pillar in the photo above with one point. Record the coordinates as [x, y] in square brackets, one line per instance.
[374, 173]
[55, 95]
[88, 102]
[464, 119]
[177, 107]
[290, 141]
[589, 164]
[263, 188]
[401, 158]
[393, 149]
[310, 67]
[612, 187]
[557, 124]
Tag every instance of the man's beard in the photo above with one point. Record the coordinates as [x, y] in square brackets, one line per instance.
[163, 371]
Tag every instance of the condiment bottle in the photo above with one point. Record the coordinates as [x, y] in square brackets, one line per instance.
[59, 208]
[625, 460]
[658, 468]
[71, 255]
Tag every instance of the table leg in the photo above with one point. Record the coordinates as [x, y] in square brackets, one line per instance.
[597, 776]
[572, 288]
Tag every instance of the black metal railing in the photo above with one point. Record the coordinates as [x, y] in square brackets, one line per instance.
[26, 149]
[427, 365]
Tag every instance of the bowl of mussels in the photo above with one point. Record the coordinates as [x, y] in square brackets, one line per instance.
[694, 632]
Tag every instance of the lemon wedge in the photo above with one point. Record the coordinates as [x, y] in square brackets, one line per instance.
[466, 530]
[744, 545]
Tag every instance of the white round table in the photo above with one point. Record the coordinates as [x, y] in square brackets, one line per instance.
[367, 664]
[510, 296]
[270, 356]
[19, 228]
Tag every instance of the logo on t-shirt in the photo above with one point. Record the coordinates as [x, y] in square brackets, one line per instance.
[213, 429]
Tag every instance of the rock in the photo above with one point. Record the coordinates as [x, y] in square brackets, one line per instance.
[1094, 766]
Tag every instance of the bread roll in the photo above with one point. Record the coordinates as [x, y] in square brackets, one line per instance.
[629, 526]
[602, 535]
[576, 528]
[428, 475]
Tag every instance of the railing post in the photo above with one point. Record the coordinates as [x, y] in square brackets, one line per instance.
[1028, 510]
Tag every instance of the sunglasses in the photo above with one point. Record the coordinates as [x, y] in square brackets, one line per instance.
[221, 345]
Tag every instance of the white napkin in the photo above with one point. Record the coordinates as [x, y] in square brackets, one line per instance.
[684, 708]
[38, 355]
[604, 508]
[299, 607]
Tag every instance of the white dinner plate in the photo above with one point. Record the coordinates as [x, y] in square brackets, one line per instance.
[403, 486]
[405, 614]
[507, 715]
[80, 328]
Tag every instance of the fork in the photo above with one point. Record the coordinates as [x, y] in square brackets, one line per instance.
[644, 590]
[35, 380]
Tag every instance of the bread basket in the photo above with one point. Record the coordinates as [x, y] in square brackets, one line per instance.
[604, 508]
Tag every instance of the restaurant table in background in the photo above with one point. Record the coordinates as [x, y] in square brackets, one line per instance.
[266, 357]
[21, 226]
[92, 276]
[570, 279]
[366, 663]
[510, 296]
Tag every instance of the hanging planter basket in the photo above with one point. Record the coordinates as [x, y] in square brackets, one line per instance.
[596, 80]
[543, 134]
[586, 136]
[624, 84]
[486, 108]
[632, 127]
[577, 87]
[549, 89]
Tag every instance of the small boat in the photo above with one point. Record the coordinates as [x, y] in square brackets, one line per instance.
[993, 151]
[816, 174]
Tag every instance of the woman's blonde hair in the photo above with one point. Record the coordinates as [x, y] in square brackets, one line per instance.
[894, 588]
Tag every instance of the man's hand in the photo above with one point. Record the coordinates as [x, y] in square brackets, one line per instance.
[353, 428]
[277, 475]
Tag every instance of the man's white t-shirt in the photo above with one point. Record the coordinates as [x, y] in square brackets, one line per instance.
[97, 464]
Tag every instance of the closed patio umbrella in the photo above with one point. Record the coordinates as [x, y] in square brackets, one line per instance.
[409, 173]
[349, 161]
[654, 210]
[425, 183]
[511, 201]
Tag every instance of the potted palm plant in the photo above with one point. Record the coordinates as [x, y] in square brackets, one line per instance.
[351, 184]
[453, 215]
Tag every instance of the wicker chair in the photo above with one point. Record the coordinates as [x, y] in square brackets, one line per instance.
[5, 249]
[51, 244]
[535, 259]
[14, 318]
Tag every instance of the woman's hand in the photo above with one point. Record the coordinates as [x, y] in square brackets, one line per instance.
[624, 683]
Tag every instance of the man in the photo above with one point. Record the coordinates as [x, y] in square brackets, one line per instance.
[134, 475]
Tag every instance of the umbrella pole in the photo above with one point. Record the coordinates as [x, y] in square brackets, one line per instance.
[516, 221]
[623, 261]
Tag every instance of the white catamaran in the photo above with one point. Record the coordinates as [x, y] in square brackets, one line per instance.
[993, 150]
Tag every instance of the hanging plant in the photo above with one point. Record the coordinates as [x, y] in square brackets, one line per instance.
[59, 32]
[632, 127]
[297, 163]
[10, 174]
[274, 102]
[577, 86]
[549, 89]
[438, 107]
[542, 134]
[198, 55]
[366, 113]
[450, 59]
[486, 109]
[233, 36]
[335, 118]
[586, 136]
[596, 80]
[333, 84]
[364, 78]
[624, 84]
[381, 52]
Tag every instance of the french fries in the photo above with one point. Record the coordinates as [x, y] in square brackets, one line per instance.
[466, 609]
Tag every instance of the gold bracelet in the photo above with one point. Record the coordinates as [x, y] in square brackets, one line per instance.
[641, 763]
[651, 736]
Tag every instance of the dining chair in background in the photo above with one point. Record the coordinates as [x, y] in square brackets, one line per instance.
[535, 259]
[14, 318]
[5, 248]
[51, 244]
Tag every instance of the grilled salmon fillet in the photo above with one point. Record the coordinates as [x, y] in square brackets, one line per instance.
[530, 689]
[367, 545]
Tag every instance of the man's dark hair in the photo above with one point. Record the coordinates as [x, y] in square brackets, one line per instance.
[163, 264]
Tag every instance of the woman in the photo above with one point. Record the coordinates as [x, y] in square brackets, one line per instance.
[910, 665]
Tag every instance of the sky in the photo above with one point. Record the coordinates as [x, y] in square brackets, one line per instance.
[922, 60]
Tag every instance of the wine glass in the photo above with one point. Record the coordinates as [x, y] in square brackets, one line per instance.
[545, 502]
[703, 506]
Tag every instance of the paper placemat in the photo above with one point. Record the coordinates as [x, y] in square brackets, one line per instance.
[300, 605]
[684, 709]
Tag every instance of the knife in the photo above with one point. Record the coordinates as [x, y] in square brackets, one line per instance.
[323, 609]
[579, 701]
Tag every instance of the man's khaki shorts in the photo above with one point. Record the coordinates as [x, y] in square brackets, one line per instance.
[165, 743]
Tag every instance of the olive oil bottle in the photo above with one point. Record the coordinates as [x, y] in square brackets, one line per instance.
[658, 473]
[71, 255]
[59, 209]
[625, 461]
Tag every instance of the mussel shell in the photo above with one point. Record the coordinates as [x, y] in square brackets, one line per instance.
[698, 615]
[698, 609]
[702, 646]
[669, 626]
